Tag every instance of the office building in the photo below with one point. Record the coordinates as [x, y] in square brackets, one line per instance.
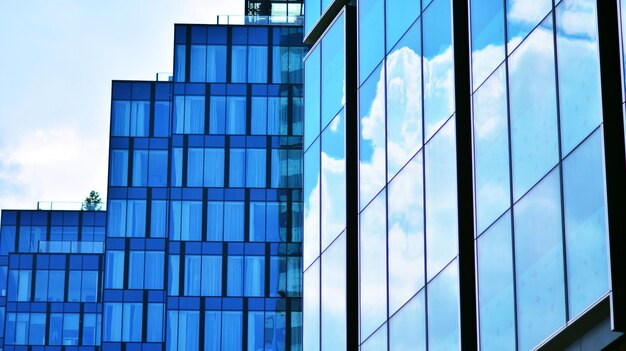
[51, 265]
[462, 175]
[203, 242]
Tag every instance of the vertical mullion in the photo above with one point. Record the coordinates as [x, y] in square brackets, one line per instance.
[614, 168]
[465, 176]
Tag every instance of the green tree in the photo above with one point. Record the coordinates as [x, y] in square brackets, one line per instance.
[93, 202]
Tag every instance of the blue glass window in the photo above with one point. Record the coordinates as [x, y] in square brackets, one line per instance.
[238, 65]
[140, 118]
[140, 168]
[443, 300]
[255, 168]
[132, 321]
[236, 115]
[158, 221]
[161, 118]
[311, 204]
[333, 300]
[312, 75]
[333, 181]
[120, 118]
[234, 212]
[257, 64]
[114, 269]
[157, 169]
[333, 72]
[254, 284]
[407, 328]
[311, 307]
[215, 220]
[211, 276]
[371, 36]
[213, 167]
[235, 276]
[118, 168]
[487, 27]
[155, 322]
[217, 115]
[232, 330]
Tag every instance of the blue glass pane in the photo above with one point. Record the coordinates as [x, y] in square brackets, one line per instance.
[158, 221]
[378, 341]
[216, 63]
[258, 115]
[311, 307]
[404, 100]
[373, 262]
[194, 114]
[372, 151]
[237, 167]
[487, 26]
[255, 168]
[233, 221]
[257, 64]
[217, 115]
[532, 96]
[522, 16]
[406, 234]
[212, 330]
[491, 156]
[312, 97]
[311, 204]
[400, 15]
[120, 118]
[312, 13]
[213, 167]
[539, 262]
[333, 300]
[585, 225]
[443, 310]
[197, 63]
[37, 333]
[579, 71]
[157, 173]
[236, 115]
[254, 284]
[161, 118]
[407, 328]
[179, 63]
[333, 72]
[441, 200]
[333, 183]
[232, 330]
[211, 276]
[140, 168]
[495, 287]
[438, 66]
[238, 65]
[140, 118]
[234, 285]
[371, 36]
[118, 174]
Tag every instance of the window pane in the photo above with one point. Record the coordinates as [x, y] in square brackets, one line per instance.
[438, 66]
[407, 328]
[373, 266]
[333, 181]
[233, 221]
[312, 97]
[441, 200]
[236, 118]
[539, 262]
[237, 168]
[118, 168]
[197, 63]
[254, 276]
[406, 234]
[255, 168]
[120, 119]
[217, 115]
[443, 310]
[216, 63]
[195, 166]
[157, 175]
[487, 27]
[585, 225]
[495, 287]
[140, 168]
[235, 276]
[215, 220]
[311, 308]
[258, 119]
[238, 64]
[371, 36]
[532, 95]
[211, 276]
[333, 73]
[257, 64]
[194, 114]
[333, 296]
[312, 204]
[161, 118]
[140, 118]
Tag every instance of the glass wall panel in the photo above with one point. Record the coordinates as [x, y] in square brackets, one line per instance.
[441, 200]
[491, 150]
[579, 71]
[311, 308]
[522, 16]
[539, 262]
[404, 99]
[406, 234]
[311, 203]
[532, 96]
[372, 153]
[377, 342]
[373, 265]
[371, 36]
[333, 199]
[438, 66]
[333, 300]
[443, 310]
[496, 304]
[487, 41]
[333, 72]
[407, 328]
[312, 76]
[400, 15]
[585, 225]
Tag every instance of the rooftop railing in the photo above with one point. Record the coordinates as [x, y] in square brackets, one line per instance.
[69, 206]
[260, 20]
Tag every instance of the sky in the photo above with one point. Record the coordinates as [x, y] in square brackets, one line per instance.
[57, 61]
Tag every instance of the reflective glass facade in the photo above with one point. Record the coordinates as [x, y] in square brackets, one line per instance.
[514, 126]
[203, 247]
[51, 271]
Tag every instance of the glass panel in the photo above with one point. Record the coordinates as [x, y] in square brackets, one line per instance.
[312, 204]
[487, 27]
[539, 262]
[443, 310]
[371, 36]
[333, 74]
[438, 66]
[407, 328]
[232, 330]
[197, 63]
[333, 300]
[372, 151]
[257, 64]
[579, 71]
[373, 266]
[532, 95]
[238, 65]
[333, 181]
[161, 118]
[400, 14]
[495, 287]
[216, 63]
[217, 115]
[585, 225]
[522, 16]
[120, 118]
[404, 100]
[157, 174]
[441, 200]
[406, 234]
[140, 118]
[491, 146]
[258, 118]
[118, 168]
[378, 341]
[311, 308]
[312, 97]
[213, 167]
[236, 118]
[194, 114]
